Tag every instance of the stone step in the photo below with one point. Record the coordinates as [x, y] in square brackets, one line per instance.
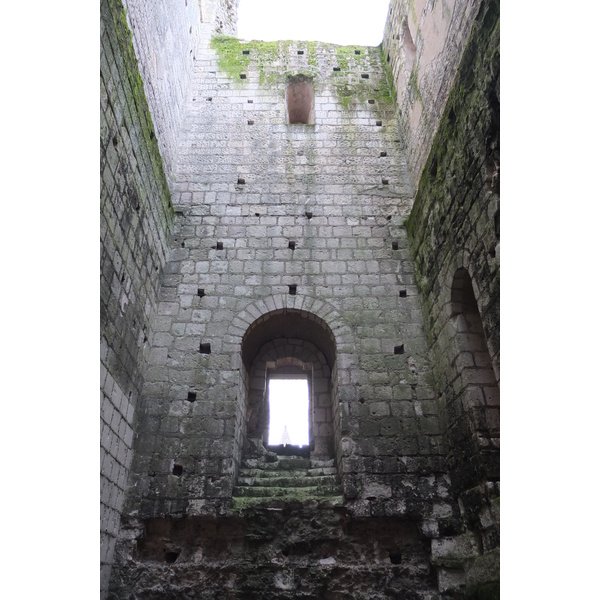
[287, 481]
[270, 503]
[288, 472]
[295, 493]
[287, 462]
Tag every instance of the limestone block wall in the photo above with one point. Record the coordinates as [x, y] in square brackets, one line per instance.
[246, 185]
[136, 214]
[166, 37]
[454, 233]
[423, 42]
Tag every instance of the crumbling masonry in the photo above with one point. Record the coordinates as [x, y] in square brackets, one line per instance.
[299, 207]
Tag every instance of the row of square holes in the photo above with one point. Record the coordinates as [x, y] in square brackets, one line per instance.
[300, 52]
[242, 181]
[292, 290]
[335, 69]
[291, 243]
[377, 124]
[205, 349]
[384, 181]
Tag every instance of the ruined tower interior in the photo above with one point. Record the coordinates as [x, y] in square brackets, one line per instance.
[297, 209]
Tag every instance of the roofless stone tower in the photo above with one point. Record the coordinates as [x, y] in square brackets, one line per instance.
[299, 210]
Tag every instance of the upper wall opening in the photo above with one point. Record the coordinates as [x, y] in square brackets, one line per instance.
[343, 22]
[300, 98]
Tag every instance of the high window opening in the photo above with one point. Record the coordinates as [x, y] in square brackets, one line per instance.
[305, 353]
[300, 96]
[288, 411]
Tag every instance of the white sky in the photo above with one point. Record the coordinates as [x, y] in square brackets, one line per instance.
[288, 407]
[343, 22]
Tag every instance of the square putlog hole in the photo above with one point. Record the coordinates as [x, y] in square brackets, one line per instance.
[378, 123]
[399, 349]
[219, 246]
[191, 397]
[394, 245]
[241, 181]
[292, 245]
[365, 75]
[292, 289]
[177, 470]
[402, 293]
[204, 348]
[201, 292]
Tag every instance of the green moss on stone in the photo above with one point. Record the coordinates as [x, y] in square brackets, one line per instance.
[413, 84]
[138, 100]
[230, 57]
[272, 60]
[486, 591]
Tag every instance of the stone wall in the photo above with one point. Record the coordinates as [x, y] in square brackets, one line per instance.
[455, 238]
[166, 38]
[246, 185]
[423, 42]
[136, 214]
[165, 35]
[299, 245]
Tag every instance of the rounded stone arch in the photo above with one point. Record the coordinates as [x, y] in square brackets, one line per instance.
[472, 395]
[296, 328]
[309, 305]
[459, 269]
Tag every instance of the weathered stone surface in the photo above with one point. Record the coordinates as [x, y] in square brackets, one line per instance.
[136, 214]
[297, 247]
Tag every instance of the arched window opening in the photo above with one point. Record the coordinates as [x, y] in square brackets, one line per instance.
[288, 345]
[476, 440]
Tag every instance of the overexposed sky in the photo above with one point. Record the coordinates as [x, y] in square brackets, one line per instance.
[288, 407]
[343, 22]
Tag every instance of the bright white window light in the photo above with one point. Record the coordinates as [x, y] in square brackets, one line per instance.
[288, 408]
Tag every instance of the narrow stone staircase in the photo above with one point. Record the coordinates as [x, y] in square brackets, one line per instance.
[275, 480]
